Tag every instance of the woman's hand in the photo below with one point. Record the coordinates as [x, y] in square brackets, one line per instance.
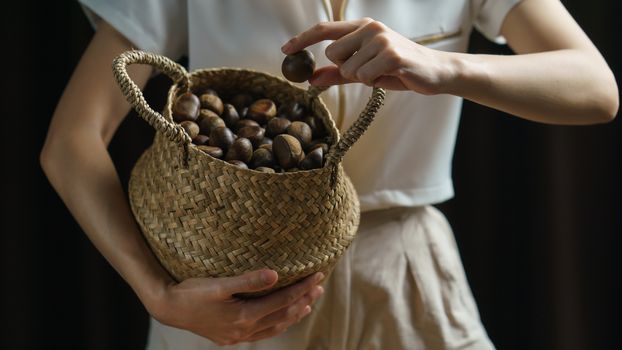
[369, 52]
[208, 307]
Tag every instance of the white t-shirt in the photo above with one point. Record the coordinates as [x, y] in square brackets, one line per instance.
[404, 158]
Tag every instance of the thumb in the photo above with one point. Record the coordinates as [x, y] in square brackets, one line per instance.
[253, 281]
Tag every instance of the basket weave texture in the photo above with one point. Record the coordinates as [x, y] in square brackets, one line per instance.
[204, 217]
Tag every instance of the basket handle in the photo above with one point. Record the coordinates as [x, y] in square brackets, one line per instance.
[358, 128]
[135, 97]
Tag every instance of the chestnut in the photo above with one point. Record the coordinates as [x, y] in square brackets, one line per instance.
[240, 149]
[267, 146]
[277, 126]
[292, 111]
[301, 131]
[264, 169]
[200, 140]
[318, 143]
[215, 152]
[299, 66]
[262, 158]
[265, 141]
[313, 159]
[212, 102]
[245, 122]
[230, 115]
[221, 137]
[287, 150]
[186, 107]
[253, 133]
[240, 101]
[210, 123]
[240, 164]
[262, 110]
[205, 113]
[191, 128]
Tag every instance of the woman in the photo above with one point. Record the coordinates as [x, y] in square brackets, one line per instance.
[401, 284]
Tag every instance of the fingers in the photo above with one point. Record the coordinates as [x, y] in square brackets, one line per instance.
[279, 328]
[249, 282]
[290, 314]
[350, 68]
[260, 307]
[320, 32]
[328, 76]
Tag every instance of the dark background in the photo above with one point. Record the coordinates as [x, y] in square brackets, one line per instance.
[537, 213]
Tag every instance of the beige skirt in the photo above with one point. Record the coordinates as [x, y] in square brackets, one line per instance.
[400, 285]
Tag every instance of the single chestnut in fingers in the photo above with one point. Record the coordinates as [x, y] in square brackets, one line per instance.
[299, 66]
[287, 150]
[221, 137]
[301, 131]
[262, 111]
[186, 107]
[240, 149]
[212, 102]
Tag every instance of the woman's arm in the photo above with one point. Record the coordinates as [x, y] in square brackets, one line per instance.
[78, 165]
[558, 76]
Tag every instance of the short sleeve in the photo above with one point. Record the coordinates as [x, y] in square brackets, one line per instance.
[159, 26]
[490, 16]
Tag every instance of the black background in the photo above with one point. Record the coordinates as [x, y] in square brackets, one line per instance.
[536, 214]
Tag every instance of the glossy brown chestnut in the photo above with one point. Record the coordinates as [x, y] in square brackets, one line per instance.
[230, 115]
[301, 131]
[262, 110]
[240, 164]
[191, 128]
[200, 140]
[240, 101]
[262, 158]
[186, 107]
[277, 126]
[212, 102]
[221, 137]
[213, 151]
[287, 150]
[240, 149]
[207, 124]
[253, 133]
[299, 66]
[313, 159]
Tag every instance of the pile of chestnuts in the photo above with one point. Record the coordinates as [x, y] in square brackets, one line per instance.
[256, 133]
[253, 133]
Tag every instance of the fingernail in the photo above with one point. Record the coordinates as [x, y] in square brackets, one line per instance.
[286, 47]
[306, 310]
[319, 277]
[267, 277]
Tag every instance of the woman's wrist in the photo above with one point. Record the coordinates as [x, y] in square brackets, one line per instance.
[465, 72]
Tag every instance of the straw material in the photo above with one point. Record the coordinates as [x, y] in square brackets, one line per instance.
[204, 217]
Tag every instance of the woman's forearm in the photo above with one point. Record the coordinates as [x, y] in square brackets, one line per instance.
[557, 87]
[85, 178]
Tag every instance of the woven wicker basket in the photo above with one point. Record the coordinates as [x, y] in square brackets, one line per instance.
[204, 217]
